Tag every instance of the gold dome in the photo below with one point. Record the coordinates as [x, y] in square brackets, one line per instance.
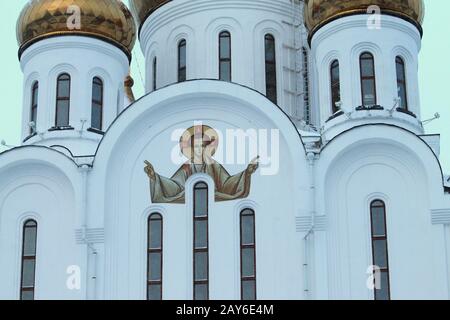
[143, 8]
[108, 20]
[320, 12]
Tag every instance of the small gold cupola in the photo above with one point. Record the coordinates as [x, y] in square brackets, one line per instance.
[108, 20]
[320, 12]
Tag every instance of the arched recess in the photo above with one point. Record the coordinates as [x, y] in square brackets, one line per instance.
[41, 184]
[278, 31]
[128, 142]
[213, 30]
[365, 164]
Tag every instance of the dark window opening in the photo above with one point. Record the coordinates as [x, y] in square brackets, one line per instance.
[201, 239]
[34, 106]
[182, 63]
[155, 257]
[368, 82]
[97, 104]
[380, 249]
[62, 101]
[155, 65]
[335, 86]
[401, 83]
[28, 276]
[271, 68]
[225, 56]
[248, 255]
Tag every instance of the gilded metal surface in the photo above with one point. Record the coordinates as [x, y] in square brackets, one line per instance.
[109, 20]
[143, 8]
[128, 84]
[319, 12]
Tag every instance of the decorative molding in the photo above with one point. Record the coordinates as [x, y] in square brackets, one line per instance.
[440, 216]
[73, 42]
[173, 12]
[303, 224]
[94, 235]
[360, 21]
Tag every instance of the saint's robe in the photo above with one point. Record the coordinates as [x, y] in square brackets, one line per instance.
[165, 190]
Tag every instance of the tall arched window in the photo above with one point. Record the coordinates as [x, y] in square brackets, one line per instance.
[225, 56]
[97, 104]
[27, 283]
[306, 103]
[155, 72]
[201, 254]
[155, 257]
[401, 82]
[248, 255]
[380, 249]
[34, 105]
[182, 64]
[271, 68]
[335, 86]
[62, 101]
[368, 84]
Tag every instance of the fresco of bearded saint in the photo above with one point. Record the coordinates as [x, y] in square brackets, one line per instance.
[199, 144]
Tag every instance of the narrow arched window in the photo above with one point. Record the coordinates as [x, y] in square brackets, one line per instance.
[97, 104]
[368, 84]
[380, 250]
[271, 68]
[248, 255]
[335, 86]
[225, 56]
[305, 74]
[29, 242]
[154, 70]
[201, 254]
[182, 61]
[401, 83]
[155, 257]
[34, 106]
[62, 101]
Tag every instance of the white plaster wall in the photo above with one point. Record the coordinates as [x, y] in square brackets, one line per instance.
[40, 184]
[200, 23]
[367, 164]
[144, 133]
[396, 37]
[83, 59]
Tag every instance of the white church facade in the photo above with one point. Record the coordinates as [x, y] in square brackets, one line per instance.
[278, 153]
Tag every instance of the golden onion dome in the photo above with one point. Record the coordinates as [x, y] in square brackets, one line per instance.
[320, 12]
[108, 20]
[143, 8]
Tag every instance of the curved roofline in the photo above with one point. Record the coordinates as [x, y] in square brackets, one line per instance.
[147, 15]
[393, 126]
[193, 80]
[392, 13]
[39, 147]
[28, 44]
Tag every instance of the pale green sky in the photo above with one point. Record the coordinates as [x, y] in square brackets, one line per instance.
[434, 70]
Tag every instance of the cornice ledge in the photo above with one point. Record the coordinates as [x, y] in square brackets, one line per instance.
[85, 43]
[440, 216]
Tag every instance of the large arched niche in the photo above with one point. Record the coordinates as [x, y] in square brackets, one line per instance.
[410, 148]
[34, 162]
[41, 184]
[395, 166]
[143, 132]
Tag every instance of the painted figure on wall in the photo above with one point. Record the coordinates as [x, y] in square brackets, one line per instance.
[199, 144]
